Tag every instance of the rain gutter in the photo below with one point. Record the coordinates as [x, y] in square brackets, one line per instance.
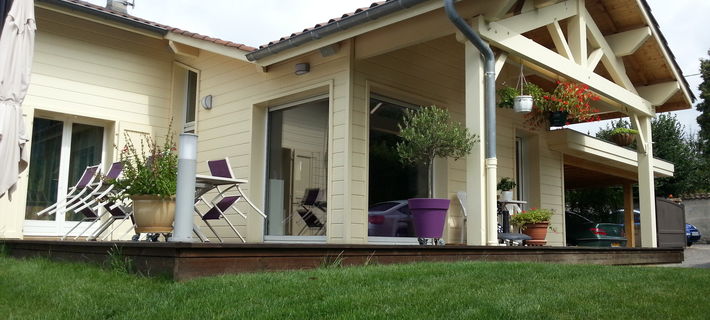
[348, 22]
[489, 71]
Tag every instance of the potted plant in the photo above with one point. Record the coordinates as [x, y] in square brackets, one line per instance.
[505, 185]
[533, 222]
[569, 102]
[150, 181]
[531, 95]
[428, 133]
[623, 136]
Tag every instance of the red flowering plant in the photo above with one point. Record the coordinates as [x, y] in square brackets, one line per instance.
[150, 169]
[572, 98]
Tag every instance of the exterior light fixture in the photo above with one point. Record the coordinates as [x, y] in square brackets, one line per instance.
[302, 68]
[207, 102]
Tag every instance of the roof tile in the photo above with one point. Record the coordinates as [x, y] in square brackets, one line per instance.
[225, 43]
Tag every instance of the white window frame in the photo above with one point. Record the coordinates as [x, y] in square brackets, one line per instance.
[291, 238]
[59, 226]
[186, 127]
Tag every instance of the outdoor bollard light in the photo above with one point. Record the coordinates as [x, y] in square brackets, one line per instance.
[185, 195]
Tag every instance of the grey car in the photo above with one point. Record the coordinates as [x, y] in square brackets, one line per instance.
[390, 219]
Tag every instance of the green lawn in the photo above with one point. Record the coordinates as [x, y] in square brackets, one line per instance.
[40, 289]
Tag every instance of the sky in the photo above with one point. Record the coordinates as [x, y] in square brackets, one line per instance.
[684, 23]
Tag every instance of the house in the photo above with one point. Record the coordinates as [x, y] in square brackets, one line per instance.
[319, 108]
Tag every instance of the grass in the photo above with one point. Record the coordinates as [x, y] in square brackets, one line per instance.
[41, 289]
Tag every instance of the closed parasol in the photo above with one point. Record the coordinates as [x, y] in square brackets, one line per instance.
[16, 51]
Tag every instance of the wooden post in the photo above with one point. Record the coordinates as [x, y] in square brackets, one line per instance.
[647, 196]
[475, 172]
[629, 215]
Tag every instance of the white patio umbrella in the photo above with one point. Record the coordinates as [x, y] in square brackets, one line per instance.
[16, 51]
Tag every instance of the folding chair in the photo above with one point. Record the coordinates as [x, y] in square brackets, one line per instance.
[462, 201]
[217, 211]
[98, 190]
[89, 216]
[75, 193]
[117, 212]
[222, 168]
[308, 203]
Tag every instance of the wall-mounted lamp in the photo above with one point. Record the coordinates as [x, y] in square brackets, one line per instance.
[302, 68]
[207, 102]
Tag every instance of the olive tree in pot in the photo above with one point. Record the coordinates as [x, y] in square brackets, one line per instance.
[427, 133]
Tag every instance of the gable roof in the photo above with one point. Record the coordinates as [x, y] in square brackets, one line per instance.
[141, 23]
[346, 21]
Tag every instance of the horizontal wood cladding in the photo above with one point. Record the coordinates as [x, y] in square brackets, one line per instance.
[189, 260]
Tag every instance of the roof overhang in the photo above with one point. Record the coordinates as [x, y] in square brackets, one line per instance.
[590, 158]
[112, 19]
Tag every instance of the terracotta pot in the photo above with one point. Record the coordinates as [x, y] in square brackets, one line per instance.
[153, 214]
[537, 231]
[623, 139]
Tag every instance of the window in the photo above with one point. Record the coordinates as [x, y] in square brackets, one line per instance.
[297, 166]
[61, 150]
[190, 102]
[185, 93]
[389, 179]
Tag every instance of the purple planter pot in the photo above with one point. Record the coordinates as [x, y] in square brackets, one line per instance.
[429, 216]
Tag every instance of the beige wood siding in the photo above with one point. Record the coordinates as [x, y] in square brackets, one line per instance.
[235, 127]
[94, 73]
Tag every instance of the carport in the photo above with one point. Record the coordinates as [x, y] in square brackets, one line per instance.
[592, 162]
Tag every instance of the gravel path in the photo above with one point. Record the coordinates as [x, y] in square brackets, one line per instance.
[697, 256]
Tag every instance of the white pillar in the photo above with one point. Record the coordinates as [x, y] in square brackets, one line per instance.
[647, 196]
[475, 171]
[185, 195]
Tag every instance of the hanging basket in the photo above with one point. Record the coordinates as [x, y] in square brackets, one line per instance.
[623, 139]
[558, 118]
[523, 103]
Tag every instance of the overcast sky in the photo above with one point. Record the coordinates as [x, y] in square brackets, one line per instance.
[684, 23]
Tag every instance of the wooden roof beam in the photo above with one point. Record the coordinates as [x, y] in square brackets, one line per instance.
[658, 94]
[627, 42]
[614, 65]
[558, 37]
[502, 37]
[538, 18]
[577, 34]
[183, 49]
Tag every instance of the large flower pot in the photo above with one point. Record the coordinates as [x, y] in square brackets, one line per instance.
[623, 139]
[153, 214]
[558, 118]
[428, 216]
[536, 231]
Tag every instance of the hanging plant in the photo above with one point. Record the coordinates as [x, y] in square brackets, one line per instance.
[570, 98]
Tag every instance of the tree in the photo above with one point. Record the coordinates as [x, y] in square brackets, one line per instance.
[704, 108]
[670, 143]
[427, 133]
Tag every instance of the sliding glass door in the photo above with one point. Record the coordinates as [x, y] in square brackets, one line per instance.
[297, 166]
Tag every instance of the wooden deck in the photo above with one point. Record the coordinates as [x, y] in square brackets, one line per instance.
[184, 261]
